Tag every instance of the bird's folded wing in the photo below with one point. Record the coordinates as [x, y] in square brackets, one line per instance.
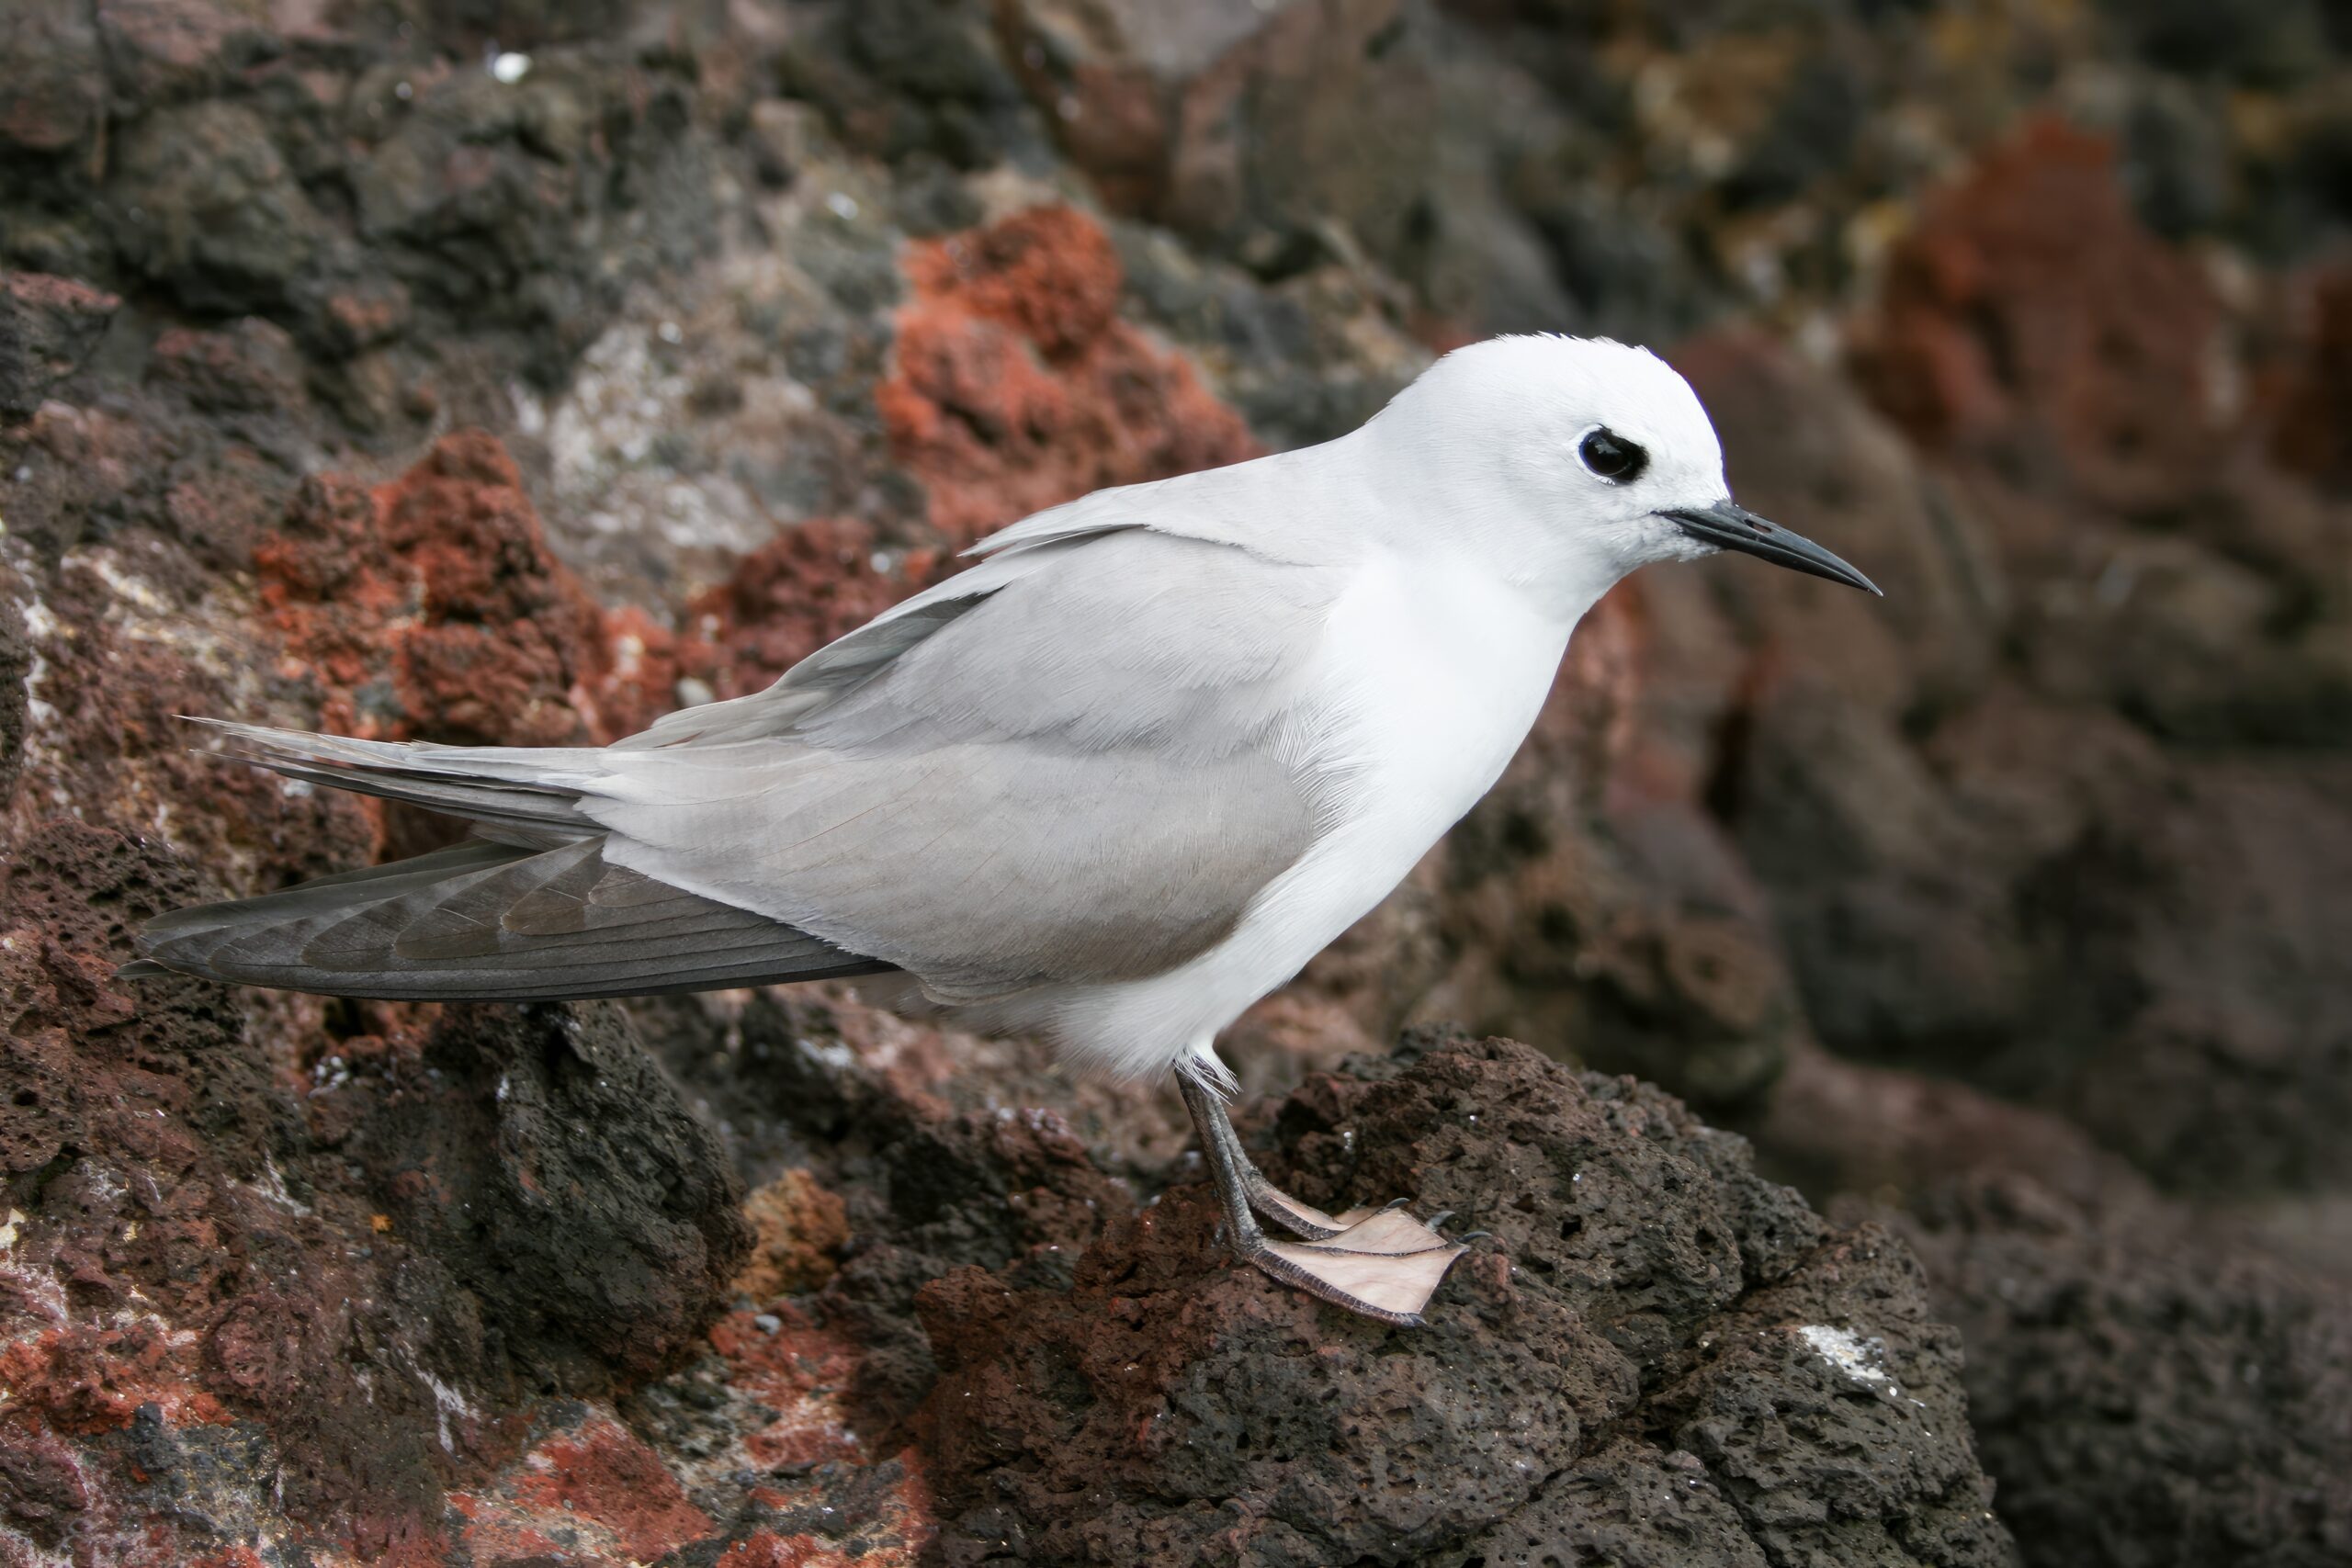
[849, 662]
[1230, 507]
[1087, 775]
[487, 921]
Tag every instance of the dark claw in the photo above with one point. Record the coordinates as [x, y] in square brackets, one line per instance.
[1394, 1203]
[1473, 1236]
[1437, 1221]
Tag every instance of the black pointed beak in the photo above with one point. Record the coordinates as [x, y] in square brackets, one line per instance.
[1730, 527]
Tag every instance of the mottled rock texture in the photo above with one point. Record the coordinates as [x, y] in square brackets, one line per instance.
[514, 371]
[1650, 1323]
[2118, 1342]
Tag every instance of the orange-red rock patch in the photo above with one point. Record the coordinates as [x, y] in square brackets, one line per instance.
[1017, 386]
[433, 607]
[2031, 296]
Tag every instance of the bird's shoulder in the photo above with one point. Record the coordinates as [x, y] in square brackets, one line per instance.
[1127, 591]
[1290, 507]
[1132, 638]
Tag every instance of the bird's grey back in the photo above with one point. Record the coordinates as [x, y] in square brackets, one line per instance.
[1086, 777]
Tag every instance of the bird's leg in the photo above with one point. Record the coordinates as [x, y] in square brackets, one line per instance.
[1383, 1264]
[1301, 1220]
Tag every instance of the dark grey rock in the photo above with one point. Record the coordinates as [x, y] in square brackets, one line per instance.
[1656, 1352]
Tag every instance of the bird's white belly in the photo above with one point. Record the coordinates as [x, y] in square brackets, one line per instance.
[1429, 678]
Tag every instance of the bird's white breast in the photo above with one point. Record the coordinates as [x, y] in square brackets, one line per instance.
[1429, 675]
[1434, 672]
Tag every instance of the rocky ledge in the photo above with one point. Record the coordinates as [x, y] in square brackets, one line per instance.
[1656, 1358]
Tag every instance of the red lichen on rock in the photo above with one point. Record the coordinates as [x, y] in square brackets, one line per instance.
[1050, 274]
[432, 606]
[602, 1475]
[769, 1549]
[231, 1557]
[494, 1532]
[1017, 386]
[795, 1371]
[2030, 298]
[83, 1378]
[592, 1491]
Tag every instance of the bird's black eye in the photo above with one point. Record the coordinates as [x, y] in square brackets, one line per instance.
[1612, 456]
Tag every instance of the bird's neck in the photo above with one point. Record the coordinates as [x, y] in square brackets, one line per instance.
[1437, 502]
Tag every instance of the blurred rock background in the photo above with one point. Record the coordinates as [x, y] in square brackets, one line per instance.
[514, 371]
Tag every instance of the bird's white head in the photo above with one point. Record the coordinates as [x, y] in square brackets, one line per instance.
[1574, 462]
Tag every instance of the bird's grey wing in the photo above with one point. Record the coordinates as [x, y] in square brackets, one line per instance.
[849, 662]
[1218, 505]
[1087, 775]
[488, 921]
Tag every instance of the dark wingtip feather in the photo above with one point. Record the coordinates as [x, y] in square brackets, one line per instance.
[485, 921]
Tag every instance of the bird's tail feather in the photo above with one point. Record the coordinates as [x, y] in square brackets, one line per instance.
[488, 921]
[526, 794]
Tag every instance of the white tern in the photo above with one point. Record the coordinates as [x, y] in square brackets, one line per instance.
[1116, 782]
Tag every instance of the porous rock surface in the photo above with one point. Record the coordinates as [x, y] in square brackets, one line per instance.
[1656, 1355]
[2119, 1339]
[450, 370]
[297, 1296]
